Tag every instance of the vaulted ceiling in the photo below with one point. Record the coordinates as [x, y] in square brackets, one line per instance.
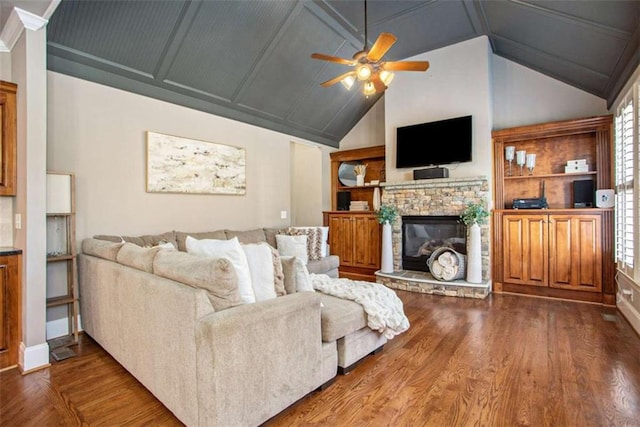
[250, 60]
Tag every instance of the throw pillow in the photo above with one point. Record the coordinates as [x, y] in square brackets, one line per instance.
[260, 263]
[325, 241]
[314, 240]
[101, 248]
[231, 250]
[278, 273]
[293, 246]
[216, 276]
[297, 277]
[137, 257]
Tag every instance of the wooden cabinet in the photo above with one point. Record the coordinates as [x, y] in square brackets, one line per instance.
[560, 252]
[8, 141]
[10, 306]
[575, 255]
[526, 250]
[557, 251]
[355, 236]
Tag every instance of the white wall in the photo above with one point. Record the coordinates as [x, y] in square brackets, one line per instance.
[306, 184]
[522, 96]
[28, 70]
[457, 83]
[99, 134]
[369, 131]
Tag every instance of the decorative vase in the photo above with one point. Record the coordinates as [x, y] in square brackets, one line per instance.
[386, 264]
[474, 255]
[376, 198]
[359, 180]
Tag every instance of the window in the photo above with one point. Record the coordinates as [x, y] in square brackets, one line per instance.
[627, 170]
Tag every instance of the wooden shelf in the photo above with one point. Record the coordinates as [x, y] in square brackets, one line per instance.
[57, 258]
[552, 175]
[61, 300]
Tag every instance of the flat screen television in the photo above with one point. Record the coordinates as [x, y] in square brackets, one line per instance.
[434, 143]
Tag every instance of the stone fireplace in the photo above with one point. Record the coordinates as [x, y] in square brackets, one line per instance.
[439, 198]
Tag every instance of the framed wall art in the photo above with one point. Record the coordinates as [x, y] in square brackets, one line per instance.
[183, 165]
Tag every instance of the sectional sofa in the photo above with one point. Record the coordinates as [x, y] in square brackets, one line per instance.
[171, 319]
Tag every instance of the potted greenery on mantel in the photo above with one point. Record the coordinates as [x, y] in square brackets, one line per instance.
[472, 216]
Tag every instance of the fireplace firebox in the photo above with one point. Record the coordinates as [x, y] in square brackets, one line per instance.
[421, 235]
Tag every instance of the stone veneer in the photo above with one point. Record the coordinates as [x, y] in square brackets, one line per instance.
[447, 196]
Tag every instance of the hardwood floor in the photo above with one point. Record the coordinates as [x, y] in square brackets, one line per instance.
[504, 361]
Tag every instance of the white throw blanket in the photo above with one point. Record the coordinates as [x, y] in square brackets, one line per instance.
[384, 309]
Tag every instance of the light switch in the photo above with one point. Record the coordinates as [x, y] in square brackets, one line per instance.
[283, 214]
[18, 221]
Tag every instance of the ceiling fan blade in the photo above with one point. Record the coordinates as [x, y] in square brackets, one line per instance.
[378, 83]
[329, 58]
[381, 46]
[338, 79]
[405, 66]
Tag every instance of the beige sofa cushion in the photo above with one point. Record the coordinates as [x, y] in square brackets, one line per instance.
[248, 236]
[215, 275]
[340, 317]
[270, 235]
[324, 265]
[101, 248]
[137, 257]
[181, 237]
[148, 240]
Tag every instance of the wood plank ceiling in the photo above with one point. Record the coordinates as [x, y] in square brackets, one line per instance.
[250, 60]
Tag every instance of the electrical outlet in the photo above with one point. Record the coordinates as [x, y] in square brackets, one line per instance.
[18, 221]
[283, 214]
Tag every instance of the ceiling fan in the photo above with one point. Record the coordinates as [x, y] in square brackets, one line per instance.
[368, 65]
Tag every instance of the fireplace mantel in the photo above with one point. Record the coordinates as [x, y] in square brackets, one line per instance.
[439, 182]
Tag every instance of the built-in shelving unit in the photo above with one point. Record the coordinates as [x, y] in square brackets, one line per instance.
[559, 252]
[355, 236]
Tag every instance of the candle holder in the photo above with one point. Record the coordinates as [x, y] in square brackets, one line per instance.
[531, 163]
[521, 159]
[509, 153]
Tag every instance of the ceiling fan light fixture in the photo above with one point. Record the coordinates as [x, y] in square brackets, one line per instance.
[363, 71]
[369, 88]
[348, 82]
[386, 77]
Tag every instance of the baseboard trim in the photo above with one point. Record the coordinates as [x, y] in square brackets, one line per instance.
[34, 357]
[630, 313]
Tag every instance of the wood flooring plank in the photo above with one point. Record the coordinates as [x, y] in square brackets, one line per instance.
[507, 360]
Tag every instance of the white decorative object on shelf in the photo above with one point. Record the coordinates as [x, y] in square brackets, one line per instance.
[359, 180]
[509, 153]
[521, 156]
[376, 198]
[531, 163]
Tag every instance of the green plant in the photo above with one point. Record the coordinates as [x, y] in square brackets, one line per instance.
[474, 213]
[387, 213]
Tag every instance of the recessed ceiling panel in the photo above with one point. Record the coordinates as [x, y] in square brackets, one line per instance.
[377, 11]
[319, 105]
[580, 77]
[285, 73]
[224, 42]
[426, 28]
[555, 35]
[132, 34]
[620, 15]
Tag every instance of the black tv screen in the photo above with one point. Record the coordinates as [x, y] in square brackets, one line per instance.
[434, 143]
